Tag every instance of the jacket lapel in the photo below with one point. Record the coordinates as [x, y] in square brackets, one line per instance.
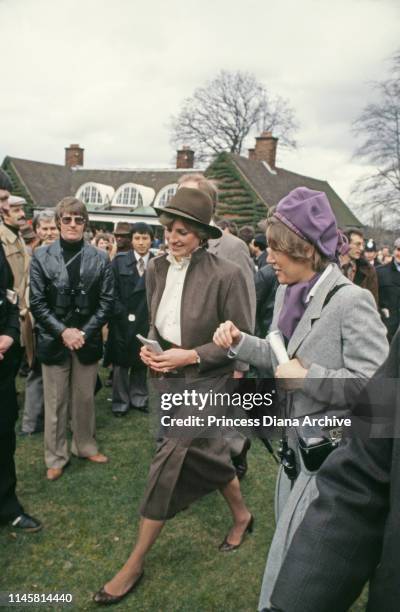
[61, 279]
[140, 281]
[88, 266]
[313, 311]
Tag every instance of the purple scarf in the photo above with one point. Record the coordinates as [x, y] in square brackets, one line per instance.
[294, 306]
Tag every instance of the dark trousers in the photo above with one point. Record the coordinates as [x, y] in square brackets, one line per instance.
[10, 507]
[33, 418]
[129, 388]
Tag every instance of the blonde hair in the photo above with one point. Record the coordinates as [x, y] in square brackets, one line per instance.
[281, 238]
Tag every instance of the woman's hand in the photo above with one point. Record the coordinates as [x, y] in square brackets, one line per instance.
[293, 373]
[226, 335]
[168, 360]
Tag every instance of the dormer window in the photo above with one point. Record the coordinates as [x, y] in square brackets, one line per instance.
[128, 195]
[91, 195]
[165, 194]
[95, 194]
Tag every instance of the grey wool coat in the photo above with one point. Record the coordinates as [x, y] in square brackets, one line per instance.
[344, 339]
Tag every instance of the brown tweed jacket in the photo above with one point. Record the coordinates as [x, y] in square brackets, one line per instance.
[214, 291]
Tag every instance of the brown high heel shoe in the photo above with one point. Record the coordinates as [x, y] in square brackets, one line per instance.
[102, 598]
[227, 547]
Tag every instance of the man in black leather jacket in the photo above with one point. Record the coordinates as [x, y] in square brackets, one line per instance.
[71, 299]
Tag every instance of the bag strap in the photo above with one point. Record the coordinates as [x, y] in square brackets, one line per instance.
[69, 262]
[331, 293]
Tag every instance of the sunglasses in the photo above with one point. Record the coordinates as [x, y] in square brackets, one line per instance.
[68, 220]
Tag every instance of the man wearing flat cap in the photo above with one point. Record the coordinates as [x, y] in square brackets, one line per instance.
[13, 216]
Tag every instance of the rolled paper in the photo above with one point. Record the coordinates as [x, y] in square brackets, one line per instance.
[278, 346]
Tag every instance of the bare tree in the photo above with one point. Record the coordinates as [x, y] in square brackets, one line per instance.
[222, 114]
[379, 126]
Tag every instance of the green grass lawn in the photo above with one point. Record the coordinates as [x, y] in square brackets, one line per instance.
[90, 521]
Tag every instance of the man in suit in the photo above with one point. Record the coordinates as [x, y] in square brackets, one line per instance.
[234, 250]
[130, 318]
[389, 291]
[11, 510]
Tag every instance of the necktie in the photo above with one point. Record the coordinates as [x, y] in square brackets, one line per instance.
[140, 266]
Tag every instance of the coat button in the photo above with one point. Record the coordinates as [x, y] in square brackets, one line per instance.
[131, 318]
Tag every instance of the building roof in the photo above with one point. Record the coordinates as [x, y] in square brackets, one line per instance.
[272, 186]
[48, 183]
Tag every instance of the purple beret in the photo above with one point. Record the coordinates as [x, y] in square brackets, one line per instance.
[308, 213]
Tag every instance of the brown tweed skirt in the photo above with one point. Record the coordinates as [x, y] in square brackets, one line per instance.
[185, 469]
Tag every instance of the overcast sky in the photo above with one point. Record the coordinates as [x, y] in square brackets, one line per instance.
[108, 75]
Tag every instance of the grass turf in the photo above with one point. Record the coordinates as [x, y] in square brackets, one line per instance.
[90, 521]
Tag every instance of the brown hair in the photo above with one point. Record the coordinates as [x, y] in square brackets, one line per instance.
[167, 220]
[102, 236]
[281, 238]
[71, 205]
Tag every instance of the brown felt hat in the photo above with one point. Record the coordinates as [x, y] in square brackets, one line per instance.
[192, 205]
[123, 228]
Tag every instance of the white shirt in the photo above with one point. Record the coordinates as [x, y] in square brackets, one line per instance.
[168, 317]
[144, 257]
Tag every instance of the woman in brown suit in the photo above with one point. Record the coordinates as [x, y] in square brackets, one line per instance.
[190, 292]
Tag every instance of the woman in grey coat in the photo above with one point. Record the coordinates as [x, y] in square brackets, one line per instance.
[190, 292]
[332, 332]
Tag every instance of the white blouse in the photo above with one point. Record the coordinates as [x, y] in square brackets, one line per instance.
[168, 317]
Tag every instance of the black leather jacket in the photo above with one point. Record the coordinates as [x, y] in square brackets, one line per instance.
[55, 307]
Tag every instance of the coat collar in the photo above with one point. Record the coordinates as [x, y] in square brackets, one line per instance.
[86, 267]
[8, 236]
[314, 309]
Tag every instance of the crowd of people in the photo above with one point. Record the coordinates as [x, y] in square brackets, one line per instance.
[71, 298]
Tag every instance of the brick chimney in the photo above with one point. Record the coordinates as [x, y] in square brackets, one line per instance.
[73, 156]
[185, 158]
[265, 149]
[252, 153]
